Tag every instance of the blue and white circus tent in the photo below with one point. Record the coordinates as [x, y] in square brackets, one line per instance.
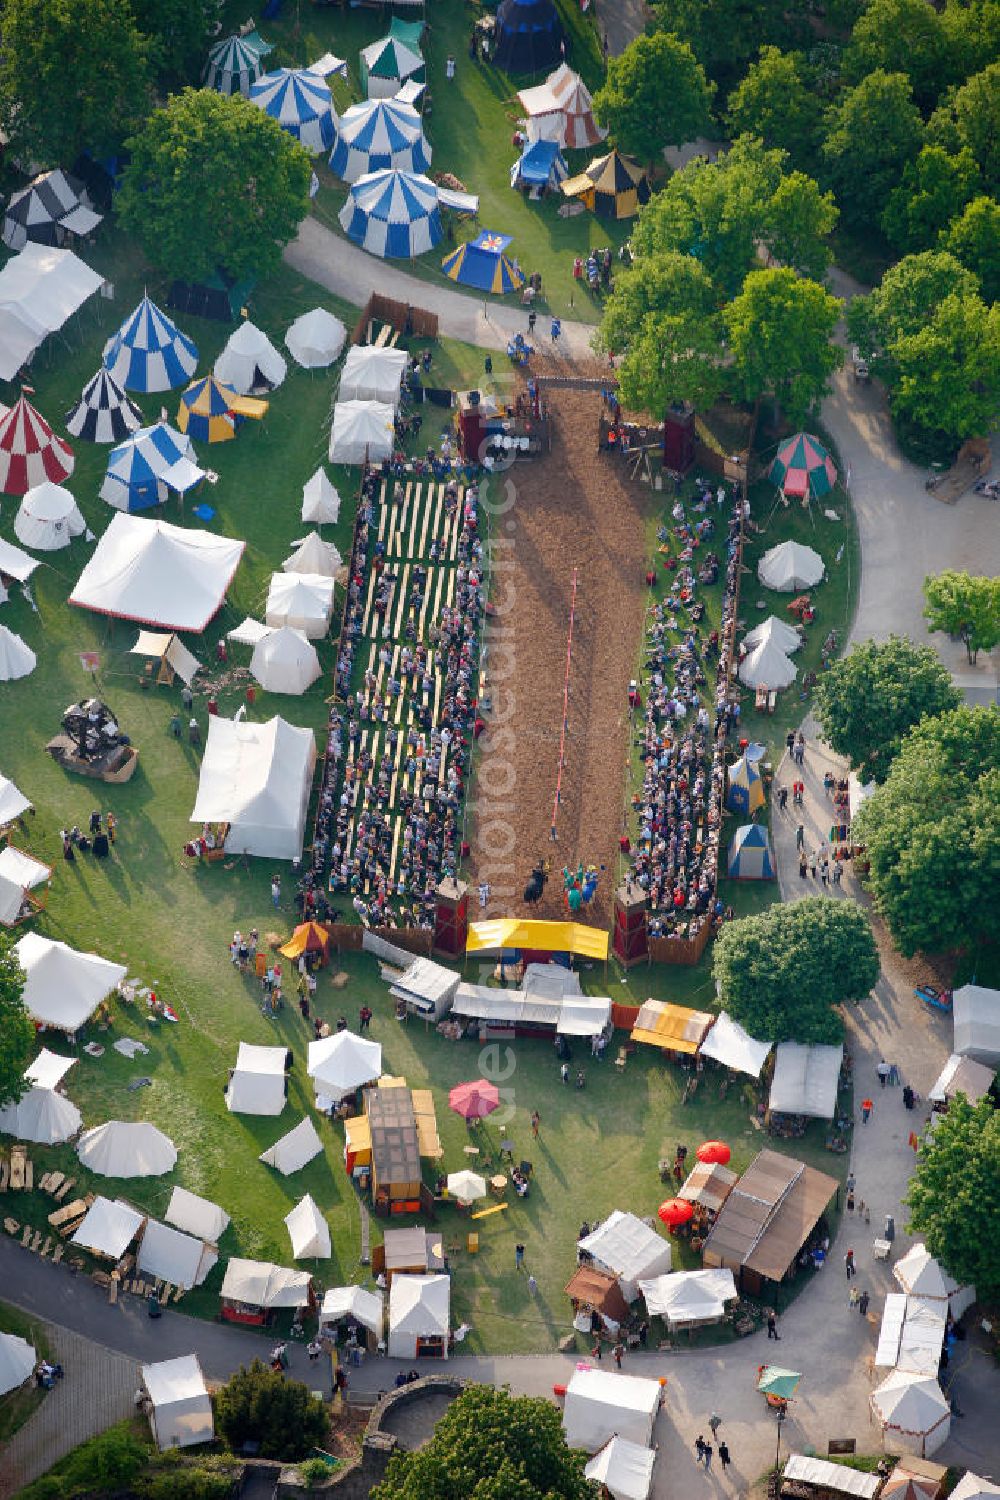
[301, 102]
[235, 63]
[750, 854]
[149, 352]
[145, 466]
[379, 135]
[393, 214]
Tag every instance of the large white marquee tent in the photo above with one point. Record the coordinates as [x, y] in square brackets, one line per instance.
[181, 1412]
[257, 778]
[158, 574]
[40, 289]
[258, 1283]
[373, 374]
[64, 987]
[628, 1249]
[805, 1080]
[362, 431]
[419, 1309]
[303, 601]
[790, 566]
[257, 1086]
[127, 1148]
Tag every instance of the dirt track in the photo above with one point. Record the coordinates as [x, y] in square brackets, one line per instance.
[574, 508]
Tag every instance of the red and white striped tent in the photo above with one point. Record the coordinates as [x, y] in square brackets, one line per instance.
[30, 452]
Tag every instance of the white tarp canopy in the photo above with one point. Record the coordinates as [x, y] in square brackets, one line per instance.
[49, 1069]
[688, 1297]
[910, 1335]
[248, 632]
[14, 562]
[41, 1115]
[366, 1308]
[313, 555]
[171, 1255]
[729, 1044]
[912, 1411]
[284, 661]
[419, 1308]
[976, 1012]
[373, 374]
[257, 1283]
[600, 1406]
[170, 649]
[320, 500]
[17, 1361]
[40, 289]
[827, 1476]
[158, 574]
[16, 657]
[108, 1228]
[920, 1275]
[785, 637]
[790, 566]
[960, 1075]
[64, 987]
[583, 1015]
[805, 1080]
[766, 665]
[19, 873]
[623, 1469]
[340, 1064]
[292, 1152]
[182, 1408]
[628, 1249]
[361, 431]
[308, 1231]
[127, 1148]
[315, 339]
[302, 600]
[13, 802]
[257, 778]
[250, 362]
[48, 518]
[197, 1216]
[257, 1086]
[972, 1487]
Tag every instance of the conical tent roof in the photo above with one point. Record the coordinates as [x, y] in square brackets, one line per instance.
[17, 1361]
[561, 109]
[234, 64]
[285, 662]
[790, 566]
[320, 500]
[139, 466]
[750, 854]
[52, 204]
[767, 666]
[482, 263]
[376, 135]
[206, 410]
[341, 1063]
[41, 1115]
[921, 1275]
[301, 103]
[103, 414]
[313, 555]
[393, 214]
[127, 1149]
[772, 629]
[614, 186]
[250, 361]
[48, 518]
[16, 658]
[316, 338]
[149, 352]
[308, 1231]
[30, 452]
[746, 789]
[804, 468]
[388, 63]
[911, 1405]
[303, 601]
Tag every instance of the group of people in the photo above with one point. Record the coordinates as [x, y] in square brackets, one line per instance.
[100, 835]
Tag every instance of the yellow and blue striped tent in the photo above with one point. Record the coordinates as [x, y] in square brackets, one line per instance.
[483, 264]
[209, 411]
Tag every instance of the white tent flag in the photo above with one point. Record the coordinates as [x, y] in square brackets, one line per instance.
[308, 1231]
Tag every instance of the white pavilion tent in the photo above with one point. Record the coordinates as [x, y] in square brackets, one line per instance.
[258, 1283]
[316, 339]
[181, 1414]
[728, 1043]
[250, 362]
[313, 555]
[600, 1406]
[790, 566]
[805, 1080]
[767, 666]
[341, 1063]
[17, 1361]
[108, 1228]
[13, 802]
[976, 1015]
[419, 1311]
[17, 659]
[561, 109]
[366, 1308]
[972, 1487]
[63, 987]
[197, 1216]
[48, 518]
[257, 1086]
[320, 500]
[41, 1115]
[127, 1148]
[257, 778]
[292, 1152]
[686, 1299]
[308, 1231]
[284, 661]
[920, 1275]
[169, 1254]
[303, 601]
[371, 373]
[960, 1075]
[912, 1412]
[19, 874]
[17, 564]
[40, 290]
[49, 1069]
[622, 1469]
[911, 1334]
[629, 1250]
[786, 637]
[360, 431]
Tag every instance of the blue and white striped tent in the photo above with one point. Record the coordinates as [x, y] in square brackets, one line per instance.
[750, 854]
[149, 352]
[379, 135]
[302, 104]
[393, 214]
[234, 65]
[136, 468]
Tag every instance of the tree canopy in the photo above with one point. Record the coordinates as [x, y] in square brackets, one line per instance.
[179, 31]
[726, 34]
[781, 973]
[868, 700]
[655, 95]
[263, 1406]
[17, 1030]
[974, 239]
[932, 192]
[74, 76]
[932, 832]
[780, 333]
[970, 116]
[905, 36]
[208, 148]
[954, 1194]
[775, 103]
[490, 1445]
[963, 605]
[872, 132]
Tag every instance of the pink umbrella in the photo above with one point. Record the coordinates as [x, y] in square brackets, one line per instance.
[474, 1100]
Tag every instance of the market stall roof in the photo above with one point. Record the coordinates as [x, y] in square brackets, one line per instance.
[628, 1248]
[583, 1015]
[41, 1115]
[292, 1152]
[308, 1231]
[366, 1308]
[976, 1014]
[428, 987]
[40, 290]
[48, 518]
[683, 1298]
[920, 1275]
[912, 1408]
[543, 937]
[371, 373]
[361, 432]
[341, 1063]
[285, 661]
[64, 987]
[108, 1228]
[320, 500]
[182, 1407]
[257, 1086]
[805, 1080]
[158, 574]
[600, 1406]
[17, 1361]
[624, 1469]
[303, 601]
[962, 1075]
[249, 361]
[13, 802]
[420, 1305]
[406, 1248]
[316, 338]
[600, 1290]
[911, 1334]
[127, 1148]
[826, 1476]
[257, 777]
[708, 1184]
[197, 1216]
[49, 1069]
[768, 1216]
[258, 1283]
[674, 1028]
[790, 566]
[169, 1254]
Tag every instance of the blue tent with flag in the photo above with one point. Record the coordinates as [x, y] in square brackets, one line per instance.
[528, 34]
[149, 352]
[746, 787]
[750, 854]
[541, 165]
[393, 214]
[483, 264]
[301, 103]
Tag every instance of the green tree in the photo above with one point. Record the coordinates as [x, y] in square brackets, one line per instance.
[974, 29]
[932, 192]
[903, 302]
[932, 832]
[490, 1445]
[780, 333]
[967, 606]
[871, 698]
[800, 220]
[179, 31]
[74, 76]
[949, 372]
[260, 1405]
[207, 148]
[726, 34]
[971, 117]
[17, 1031]
[954, 1194]
[871, 134]
[905, 36]
[663, 318]
[782, 973]
[775, 103]
[974, 239]
[655, 95]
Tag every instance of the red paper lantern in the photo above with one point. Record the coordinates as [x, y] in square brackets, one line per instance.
[717, 1153]
[674, 1212]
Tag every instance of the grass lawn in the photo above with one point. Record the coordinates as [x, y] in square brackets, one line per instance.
[17, 1406]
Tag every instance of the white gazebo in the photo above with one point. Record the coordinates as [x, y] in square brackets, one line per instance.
[257, 1085]
[315, 339]
[805, 1081]
[292, 1152]
[622, 1469]
[127, 1148]
[371, 373]
[419, 1312]
[308, 1231]
[342, 1063]
[790, 566]
[64, 987]
[600, 1406]
[912, 1412]
[629, 1250]
[976, 1014]
[689, 1299]
[180, 1405]
[303, 601]
[284, 661]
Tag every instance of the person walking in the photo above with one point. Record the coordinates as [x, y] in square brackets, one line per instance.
[532, 320]
[782, 797]
[194, 732]
[708, 1450]
[564, 1072]
[532, 1286]
[555, 330]
[618, 1351]
[882, 1069]
[803, 865]
[849, 1265]
[772, 1326]
[518, 1257]
[867, 1106]
[724, 1458]
[800, 836]
[863, 1301]
[112, 826]
[597, 1352]
[699, 1448]
[643, 1335]
[536, 1120]
[276, 891]
[715, 1422]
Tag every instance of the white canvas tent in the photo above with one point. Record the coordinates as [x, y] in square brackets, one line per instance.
[820, 1474]
[292, 1152]
[158, 574]
[790, 566]
[976, 1013]
[49, 1069]
[48, 518]
[15, 563]
[16, 657]
[258, 1283]
[257, 778]
[920, 1275]
[972, 1487]
[308, 1231]
[127, 1148]
[257, 1086]
[248, 632]
[108, 1228]
[197, 1216]
[419, 1310]
[910, 1335]
[960, 1075]
[805, 1080]
[169, 650]
[342, 1063]
[600, 1406]
[284, 661]
[41, 1115]
[181, 1413]
[766, 665]
[912, 1412]
[169, 1254]
[40, 290]
[583, 1015]
[19, 874]
[361, 431]
[628, 1249]
[624, 1470]
[320, 500]
[729, 1044]
[250, 362]
[63, 987]
[315, 339]
[313, 555]
[687, 1298]
[17, 1361]
[373, 374]
[13, 802]
[302, 600]
[785, 637]
[561, 109]
[366, 1308]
